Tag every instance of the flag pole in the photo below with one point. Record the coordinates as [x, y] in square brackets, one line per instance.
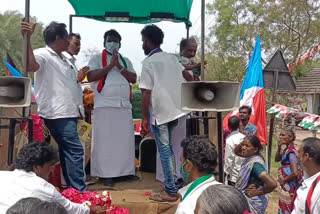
[269, 146]
[202, 37]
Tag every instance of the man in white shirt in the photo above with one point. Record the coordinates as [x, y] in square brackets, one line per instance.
[233, 162]
[160, 83]
[73, 50]
[188, 51]
[113, 145]
[56, 91]
[33, 166]
[199, 160]
[309, 190]
[80, 74]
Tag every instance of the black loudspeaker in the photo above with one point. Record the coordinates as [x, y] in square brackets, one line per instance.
[147, 155]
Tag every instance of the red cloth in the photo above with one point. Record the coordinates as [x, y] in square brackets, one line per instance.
[37, 128]
[102, 81]
[55, 176]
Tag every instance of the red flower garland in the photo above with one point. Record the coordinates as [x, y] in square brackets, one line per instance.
[93, 199]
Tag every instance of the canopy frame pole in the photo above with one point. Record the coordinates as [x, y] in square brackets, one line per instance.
[26, 40]
[70, 23]
[202, 37]
[269, 146]
[188, 28]
[26, 111]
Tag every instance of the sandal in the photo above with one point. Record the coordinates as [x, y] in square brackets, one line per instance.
[163, 197]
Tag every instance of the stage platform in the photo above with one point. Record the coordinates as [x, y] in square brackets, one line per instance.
[131, 195]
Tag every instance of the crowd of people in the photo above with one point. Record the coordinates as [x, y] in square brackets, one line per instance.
[59, 98]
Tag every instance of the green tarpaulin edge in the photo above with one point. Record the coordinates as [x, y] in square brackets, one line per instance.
[179, 12]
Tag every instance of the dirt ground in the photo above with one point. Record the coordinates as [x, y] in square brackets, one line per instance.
[149, 184]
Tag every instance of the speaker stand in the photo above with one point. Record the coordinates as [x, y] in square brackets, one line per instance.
[12, 127]
[193, 128]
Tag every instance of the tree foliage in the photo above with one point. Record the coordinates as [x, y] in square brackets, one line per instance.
[12, 41]
[290, 25]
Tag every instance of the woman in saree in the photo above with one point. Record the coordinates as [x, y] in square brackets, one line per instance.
[253, 180]
[289, 173]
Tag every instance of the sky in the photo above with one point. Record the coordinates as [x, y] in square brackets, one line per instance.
[92, 31]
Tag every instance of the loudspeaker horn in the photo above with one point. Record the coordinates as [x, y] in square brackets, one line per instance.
[216, 96]
[15, 91]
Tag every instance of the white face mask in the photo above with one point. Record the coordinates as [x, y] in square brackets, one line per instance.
[111, 46]
[187, 61]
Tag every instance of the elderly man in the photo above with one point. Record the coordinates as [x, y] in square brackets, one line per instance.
[113, 134]
[188, 50]
[57, 93]
[308, 195]
[33, 165]
[246, 128]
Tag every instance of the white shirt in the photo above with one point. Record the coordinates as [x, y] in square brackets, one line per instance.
[116, 91]
[56, 87]
[188, 205]
[162, 74]
[72, 61]
[232, 163]
[302, 192]
[18, 184]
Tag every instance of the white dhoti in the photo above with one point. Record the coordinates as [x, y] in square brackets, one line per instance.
[113, 143]
[179, 133]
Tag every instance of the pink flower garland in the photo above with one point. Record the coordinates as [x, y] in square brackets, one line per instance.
[93, 199]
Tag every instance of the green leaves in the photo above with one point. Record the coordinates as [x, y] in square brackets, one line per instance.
[12, 41]
[291, 25]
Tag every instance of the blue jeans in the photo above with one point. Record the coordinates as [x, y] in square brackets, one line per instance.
[64, 131]
[163, 138]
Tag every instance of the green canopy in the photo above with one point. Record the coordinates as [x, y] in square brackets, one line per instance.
[135, 11]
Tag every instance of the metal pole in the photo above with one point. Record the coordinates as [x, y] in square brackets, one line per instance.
[30, 130]
[12, 125]
[188, 28]
[26, 39]
[269, 150]
[220, 145]
[70, 23]
[202, 37]
[26, 45]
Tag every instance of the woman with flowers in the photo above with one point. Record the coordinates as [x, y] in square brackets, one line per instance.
[289, 173]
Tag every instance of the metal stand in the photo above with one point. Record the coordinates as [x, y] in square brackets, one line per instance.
[193, 128]
[12, 126]
[220, 145]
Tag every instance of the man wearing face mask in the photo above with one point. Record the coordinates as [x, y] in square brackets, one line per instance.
[308, 195]
[113, 137]
[199, 160]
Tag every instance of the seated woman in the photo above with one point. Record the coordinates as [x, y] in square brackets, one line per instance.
[289, 173]
[221, 199]
[199, 160]
[254, 181]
